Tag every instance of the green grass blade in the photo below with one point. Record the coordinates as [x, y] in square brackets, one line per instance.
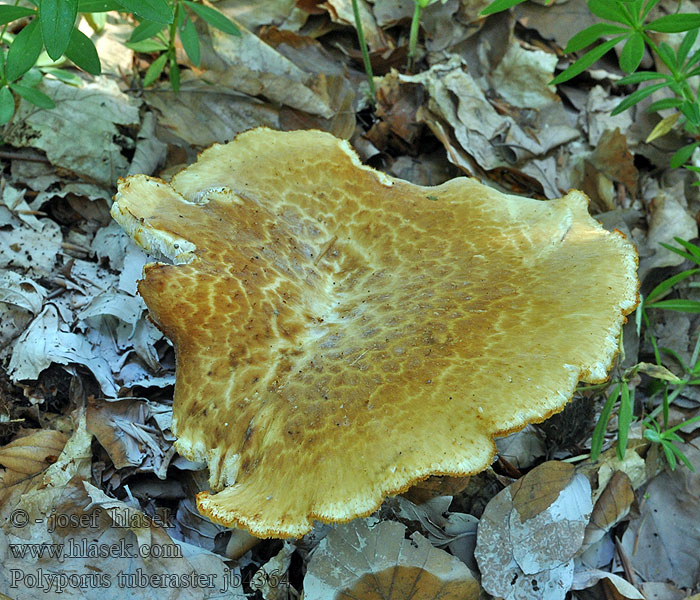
[602, 424]
[624, 419]
[667, 284]
[679, 305]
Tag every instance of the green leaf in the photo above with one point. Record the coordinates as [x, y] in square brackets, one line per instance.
[33, 95]
[24, 51]
[652, 436]
[682, 456]
[667, 55]
[647, 9]
[695, 57]
[32, 78]
[632, 53]
[589, 35]
[190, 41]
[213, 17]
[669, 455]
[602, 424]
[585, 61]
[10, 13]
[605, 9]
[153, 10]
[679, 305]
[641, 76]
[145, 30]
[7, 105]
[148, 46]
[686, 45]
[682, 155]
[57, 19]
[691, 111]
[695, 419]
[674, 23]
[500, 5]
[637, 96]
[98, 6]
[624, 420]
[174, 74]
[665, 103]
[83, 53]
[155, 70]
[68, 77]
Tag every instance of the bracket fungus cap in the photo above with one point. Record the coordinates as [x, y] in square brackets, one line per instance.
[341, 334]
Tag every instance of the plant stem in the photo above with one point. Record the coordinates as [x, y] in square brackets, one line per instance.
[413, 38]
[365, 51]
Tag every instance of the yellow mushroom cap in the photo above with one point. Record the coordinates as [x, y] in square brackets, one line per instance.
[341, 334]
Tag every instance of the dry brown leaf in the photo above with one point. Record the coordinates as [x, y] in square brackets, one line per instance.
[536, 491]
[612, 506]
[27, 456]
[613, 158]
[341, 11]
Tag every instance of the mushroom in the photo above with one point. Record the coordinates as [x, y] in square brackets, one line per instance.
[341, 334]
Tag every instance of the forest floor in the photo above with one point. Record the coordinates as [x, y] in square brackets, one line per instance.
[86, 380]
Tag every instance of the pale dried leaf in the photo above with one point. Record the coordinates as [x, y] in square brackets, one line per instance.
[368, 560]
[623, 589]
[530, 531]
[48, 340]
[95, 110]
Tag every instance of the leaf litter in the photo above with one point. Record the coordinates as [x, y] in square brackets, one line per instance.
[86, 392]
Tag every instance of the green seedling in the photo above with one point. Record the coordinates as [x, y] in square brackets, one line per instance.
[154, 36]
[418, 7]
[365, 51]
[627, 22]
[50, 31]
[664, 382]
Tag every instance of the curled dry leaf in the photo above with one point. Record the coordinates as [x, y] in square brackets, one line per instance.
[316, 304]
[370, 560]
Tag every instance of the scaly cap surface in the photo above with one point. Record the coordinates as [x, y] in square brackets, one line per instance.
[341, 334]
